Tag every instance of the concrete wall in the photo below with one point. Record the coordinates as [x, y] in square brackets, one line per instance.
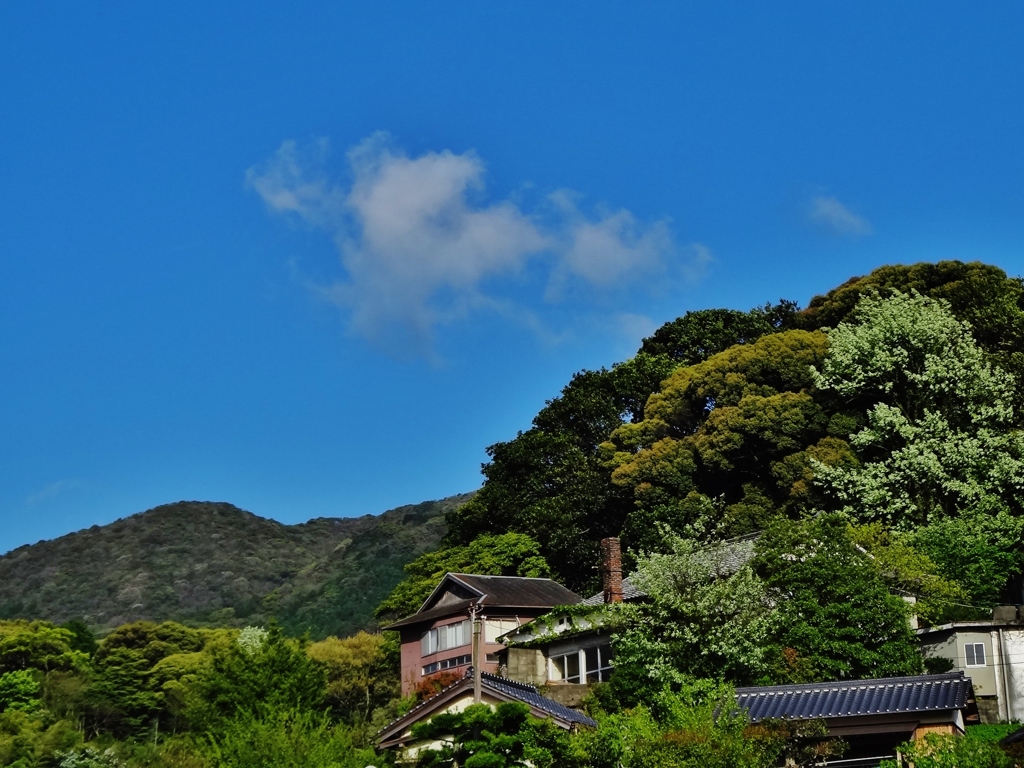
[527, 665]
[1012, 665]
[567, 694]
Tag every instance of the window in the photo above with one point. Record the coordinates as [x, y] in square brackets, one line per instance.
[443, 638]
[598, 663]
[495, 628]
[974, 653]
[438, 666]
[594, 663]
[566, 668]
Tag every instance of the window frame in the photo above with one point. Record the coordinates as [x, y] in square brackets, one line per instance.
[559, 665]
[974, 653]
[444, 637]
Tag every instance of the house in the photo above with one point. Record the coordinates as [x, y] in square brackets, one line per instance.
[872, 716]
[991, 653]
[439, 636]
[456, 697]
[568, 651]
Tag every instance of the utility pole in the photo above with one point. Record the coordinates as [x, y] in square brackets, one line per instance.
[474, 615]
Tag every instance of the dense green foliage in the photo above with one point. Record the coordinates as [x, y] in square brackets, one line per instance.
[809, 605]
[935, 751]
[551, 482]
[215, 565]
[480, 736]
[166, 695]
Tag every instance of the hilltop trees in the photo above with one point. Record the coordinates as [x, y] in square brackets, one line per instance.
[551, 481]
[725, 444]
[941, 437]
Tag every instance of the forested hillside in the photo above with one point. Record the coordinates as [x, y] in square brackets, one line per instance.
[725, 419]
[868, 449]
[212, 564]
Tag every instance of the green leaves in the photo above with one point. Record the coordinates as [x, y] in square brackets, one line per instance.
[241, 680]
[837, 618]
[941, 436]
[285, 737]
[20, 690]
[937, 751]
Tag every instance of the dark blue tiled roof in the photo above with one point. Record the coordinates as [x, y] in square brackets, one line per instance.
[852, 698]
[515, 690]
[528, 695]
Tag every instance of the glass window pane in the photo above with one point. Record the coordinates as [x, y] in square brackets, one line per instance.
[558, 667]
[572, 668]
[979, 654]
[492, 629]
[425, 644]
[593, 660]
[969, 654]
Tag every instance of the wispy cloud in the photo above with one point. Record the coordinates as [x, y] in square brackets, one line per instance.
[835, 217]
[49, 493]
[422, 245]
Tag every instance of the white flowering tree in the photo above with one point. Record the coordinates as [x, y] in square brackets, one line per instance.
[941, 437]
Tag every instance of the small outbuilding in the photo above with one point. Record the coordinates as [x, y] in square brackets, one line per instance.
[872, 716]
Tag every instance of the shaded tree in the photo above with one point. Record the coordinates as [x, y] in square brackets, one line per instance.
[551, 481]
[837, 618]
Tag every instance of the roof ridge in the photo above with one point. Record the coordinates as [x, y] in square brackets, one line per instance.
[506, 681]
[500, 576]
[858, 683]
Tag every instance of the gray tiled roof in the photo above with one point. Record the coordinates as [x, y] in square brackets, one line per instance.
[528, 695]
[724, 559]
[629, 592]
[852, 698]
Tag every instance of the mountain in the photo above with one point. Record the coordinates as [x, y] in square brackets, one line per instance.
[210, 563]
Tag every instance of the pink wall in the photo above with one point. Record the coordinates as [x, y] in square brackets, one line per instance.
[413, 662]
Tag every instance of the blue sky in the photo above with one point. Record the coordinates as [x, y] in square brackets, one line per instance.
[312, 258]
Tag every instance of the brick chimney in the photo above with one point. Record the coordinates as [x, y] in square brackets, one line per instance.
[611, 570]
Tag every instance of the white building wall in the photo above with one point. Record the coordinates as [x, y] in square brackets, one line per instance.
[1012, 669]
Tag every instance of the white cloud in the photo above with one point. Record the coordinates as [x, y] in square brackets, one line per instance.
[606, 251]
[634, 327]
[421, 245]
[836, 217]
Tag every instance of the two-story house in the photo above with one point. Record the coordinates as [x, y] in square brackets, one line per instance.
[439, 636]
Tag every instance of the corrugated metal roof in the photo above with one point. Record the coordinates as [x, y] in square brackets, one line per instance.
[494, 591]
[853, 698]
